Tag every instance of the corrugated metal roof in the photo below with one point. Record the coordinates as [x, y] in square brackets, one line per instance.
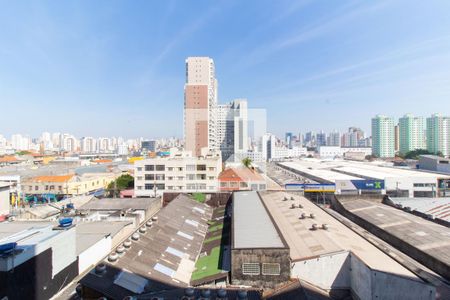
[252, 226]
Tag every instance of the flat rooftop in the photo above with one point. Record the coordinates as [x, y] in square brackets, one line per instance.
[118, 203]
[305, 244]
[319, 173]
[252, 226]
[424, 235]
[437, 207]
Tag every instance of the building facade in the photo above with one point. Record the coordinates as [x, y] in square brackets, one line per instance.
[411, 133]
[180, 172]
[438, 134]
[232, 127]
[383, 136]
[200, 102]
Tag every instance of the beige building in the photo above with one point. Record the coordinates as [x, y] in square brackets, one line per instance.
[181, 172]
[200, 101]
[70, 184]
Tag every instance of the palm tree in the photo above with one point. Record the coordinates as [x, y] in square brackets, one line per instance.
[247, 162]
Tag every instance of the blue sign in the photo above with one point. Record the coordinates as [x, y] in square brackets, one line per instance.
[368, 184]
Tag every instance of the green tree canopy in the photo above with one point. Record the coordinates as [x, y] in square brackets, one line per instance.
[247, 162]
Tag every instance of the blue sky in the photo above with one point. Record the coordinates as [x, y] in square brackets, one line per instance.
[117, 67]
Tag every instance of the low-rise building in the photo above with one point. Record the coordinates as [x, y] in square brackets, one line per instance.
[238, 179]
[259, 253]
[180, 172]
[57, 186]
[434, 163]
[4, 199]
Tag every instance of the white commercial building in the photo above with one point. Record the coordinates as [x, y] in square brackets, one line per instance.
[333, 151]
[180, 172]
[232, 127]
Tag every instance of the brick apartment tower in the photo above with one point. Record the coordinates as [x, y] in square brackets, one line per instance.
[200, 102]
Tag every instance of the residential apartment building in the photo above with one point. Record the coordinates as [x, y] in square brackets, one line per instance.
[88, 145]
[411, 133]
[334, 139]
[232, 127]
[438, 134]
[180, 172]
[200, 103]
[383, 136]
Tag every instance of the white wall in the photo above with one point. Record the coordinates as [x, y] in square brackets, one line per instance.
[4, 201]
[327, 272]
[94, 254]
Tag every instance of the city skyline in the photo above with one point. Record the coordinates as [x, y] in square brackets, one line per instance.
[75, 68]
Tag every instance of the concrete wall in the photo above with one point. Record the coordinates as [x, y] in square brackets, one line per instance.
[367, 283]
[327, 271]
[266, 255]
[94, 254]
[361, 279]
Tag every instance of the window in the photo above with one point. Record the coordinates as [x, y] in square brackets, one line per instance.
[59, 188]
[190, 167]
[149, 186]
[52, 187]
[211, 168]
[149, 167]
[139, 187]
[159, 176]
[160, 186]
[36, 188]
[139, 168]
[233, 184]
[271, 269]
[224, 184]
[201, 167]
[251, 269]
[244, 184]
[160, 167]
[149, 177]
[190, 176]
[139, 178]
[169, 168]
[46, 187]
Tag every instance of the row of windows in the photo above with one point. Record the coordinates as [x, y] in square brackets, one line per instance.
[188, 168]
[170, 187]
[424, 185]
[47, 188]
[255, 269]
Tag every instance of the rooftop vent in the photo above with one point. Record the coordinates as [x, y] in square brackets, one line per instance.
[242, 294]
[303, 216]
[127, 244]
[149, 223]
[292, 198]
[143, 229]
[292, 205]
[222, 294]
[189, 292]
[120, 249]
[155, 218]
[325, 226]
[100, 269]
[206, 293]
[312, 216]
[113, 257]
[285, 198]
[300, 206]
[314, 227]
[135, 236]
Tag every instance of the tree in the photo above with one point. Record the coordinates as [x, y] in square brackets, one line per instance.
[247, 162]
[121, 183]
[416, 153]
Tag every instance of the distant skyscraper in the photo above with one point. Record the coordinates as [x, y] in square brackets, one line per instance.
[200, 101]
[88, 144]
[321, 139]
[411, 133]
[148, 146]
[232, 127]
[383, 136]
[438, 134]
[288, 140]
[397, 138]
[334, 139]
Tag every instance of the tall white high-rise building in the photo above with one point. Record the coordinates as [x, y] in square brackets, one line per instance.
[438, 134]
[88, 144]
[334, 139]
[383, 136]
[20, 143]
[411, 133]
[232, 127]
[200, 103]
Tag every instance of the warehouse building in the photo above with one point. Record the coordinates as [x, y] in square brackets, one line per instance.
[259, 253]
[329, 255]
